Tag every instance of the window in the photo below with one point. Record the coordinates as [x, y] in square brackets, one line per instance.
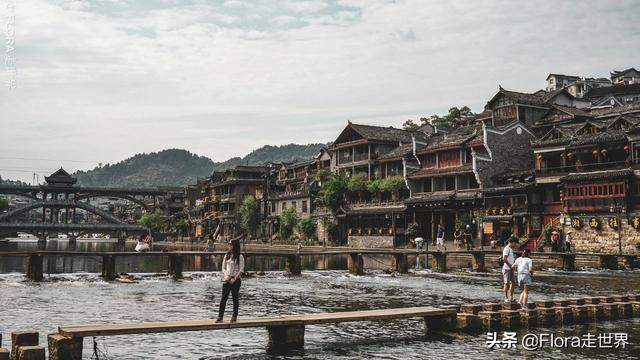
[429, 161]
[426, 186]
[449, 158]
[293, 205]
[304, 206]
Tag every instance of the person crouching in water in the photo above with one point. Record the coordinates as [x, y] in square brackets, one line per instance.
[232, 268]
[524, 266]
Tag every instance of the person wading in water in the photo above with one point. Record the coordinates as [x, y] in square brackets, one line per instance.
[232, 267]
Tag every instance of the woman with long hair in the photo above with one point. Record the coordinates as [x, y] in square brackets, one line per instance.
[232, 268]
[524, 266]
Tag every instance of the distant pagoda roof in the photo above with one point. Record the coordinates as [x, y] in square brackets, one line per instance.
[60, 178]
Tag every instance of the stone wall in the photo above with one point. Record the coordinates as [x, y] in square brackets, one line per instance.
[604, 240]
[370, 241]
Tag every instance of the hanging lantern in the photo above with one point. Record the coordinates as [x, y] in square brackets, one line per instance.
[562, 155]
[595, 153]
[570, 155]
[604, 152]
[626, 148]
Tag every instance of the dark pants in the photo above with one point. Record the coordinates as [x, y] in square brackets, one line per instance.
[235, 291]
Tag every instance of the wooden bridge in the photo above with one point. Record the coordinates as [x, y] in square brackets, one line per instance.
[287, 331]
[293, 264]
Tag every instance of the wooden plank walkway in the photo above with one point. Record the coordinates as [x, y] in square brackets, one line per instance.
[285, 320]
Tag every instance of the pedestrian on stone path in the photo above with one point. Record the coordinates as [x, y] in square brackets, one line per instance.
[420, 242]
[508, 276]
[440, 239]
[524, 266]
[232, 268]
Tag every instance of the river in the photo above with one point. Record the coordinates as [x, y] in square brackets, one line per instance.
[81, 297]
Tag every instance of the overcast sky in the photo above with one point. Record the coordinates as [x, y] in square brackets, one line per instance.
[98, 81]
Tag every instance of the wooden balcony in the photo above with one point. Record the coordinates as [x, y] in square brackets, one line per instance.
[563, 170]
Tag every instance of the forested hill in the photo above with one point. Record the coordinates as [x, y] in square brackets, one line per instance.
[177, 167]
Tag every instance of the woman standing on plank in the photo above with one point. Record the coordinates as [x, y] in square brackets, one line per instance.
[232, 268]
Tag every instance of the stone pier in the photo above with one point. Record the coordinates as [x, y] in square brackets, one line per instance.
[355, 264]
[175, 266]
[609, 262]
[285, 337]
[109, 267]
[441, 261]
[567, 262]
[62, 347]
[34, 267]
[402, 263]
[22, 339]
[293, 265]
[477, 261]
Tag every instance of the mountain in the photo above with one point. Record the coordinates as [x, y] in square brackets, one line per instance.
[177, 167]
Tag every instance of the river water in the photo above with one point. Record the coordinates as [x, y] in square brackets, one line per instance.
[82, 298]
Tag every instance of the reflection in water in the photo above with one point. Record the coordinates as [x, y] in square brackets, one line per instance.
[85, 298]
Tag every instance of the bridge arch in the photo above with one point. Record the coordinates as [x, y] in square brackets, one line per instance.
[71, 204]
[118, 196]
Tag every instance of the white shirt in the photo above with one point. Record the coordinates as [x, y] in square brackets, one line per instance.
[509, 252]
[419, 241]
[232, 268]
[524, 265]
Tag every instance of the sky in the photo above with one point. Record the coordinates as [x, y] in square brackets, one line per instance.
[99, 81]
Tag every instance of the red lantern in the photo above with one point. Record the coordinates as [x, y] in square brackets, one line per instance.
[570, 155]
[562, 155]
[626, 148]
[604, 152]
[595, 153]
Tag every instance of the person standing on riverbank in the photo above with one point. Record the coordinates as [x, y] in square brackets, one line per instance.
[232, 268]
[440, 239]
[508, 276]
[524, 266]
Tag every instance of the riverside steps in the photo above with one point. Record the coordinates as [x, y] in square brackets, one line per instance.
[284, 332]
[478, 260]
[287, 331]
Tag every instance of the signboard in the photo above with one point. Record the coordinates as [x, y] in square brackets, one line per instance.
[487, 227]
[594, 223]
[635, 222]
[614, 223]
[576, 223]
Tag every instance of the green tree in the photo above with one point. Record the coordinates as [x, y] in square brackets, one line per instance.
[412, 231]
[288, 221]
[410, 125]
[451, 120]
[4, 204]
[308, 227]
[358, 184]
[153, 221]
[393, 185]
[249, 215]
[333, 190]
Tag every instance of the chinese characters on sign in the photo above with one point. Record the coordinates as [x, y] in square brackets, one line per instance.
[614, 223]
[576, 223]
[594, 223]
[635, 222]
[509, 340]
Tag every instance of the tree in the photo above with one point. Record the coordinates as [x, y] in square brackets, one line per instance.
[249, 215]
[413, 229]
[288, 221]
[452, 120]
[333, 190]
[154, 221]
[393, 185]
[308, 227]
[410, 125]
[358, 184]
[4, 204]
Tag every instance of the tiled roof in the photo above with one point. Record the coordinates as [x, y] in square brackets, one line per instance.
[457, 136]
[397, 153]
[382, 133]
[598, 175]
[444, 196]
[615, 90]
[441, 171]
[622, 72]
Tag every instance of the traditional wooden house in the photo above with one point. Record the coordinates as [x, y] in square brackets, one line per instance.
[585, 165]
[376, 218]
[226, 192]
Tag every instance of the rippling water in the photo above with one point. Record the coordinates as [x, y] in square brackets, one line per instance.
[82, 298]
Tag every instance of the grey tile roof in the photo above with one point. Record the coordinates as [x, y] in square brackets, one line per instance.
[598, 175]
[457, 136]
[381, 133]
[615, 90]
[441, 171]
